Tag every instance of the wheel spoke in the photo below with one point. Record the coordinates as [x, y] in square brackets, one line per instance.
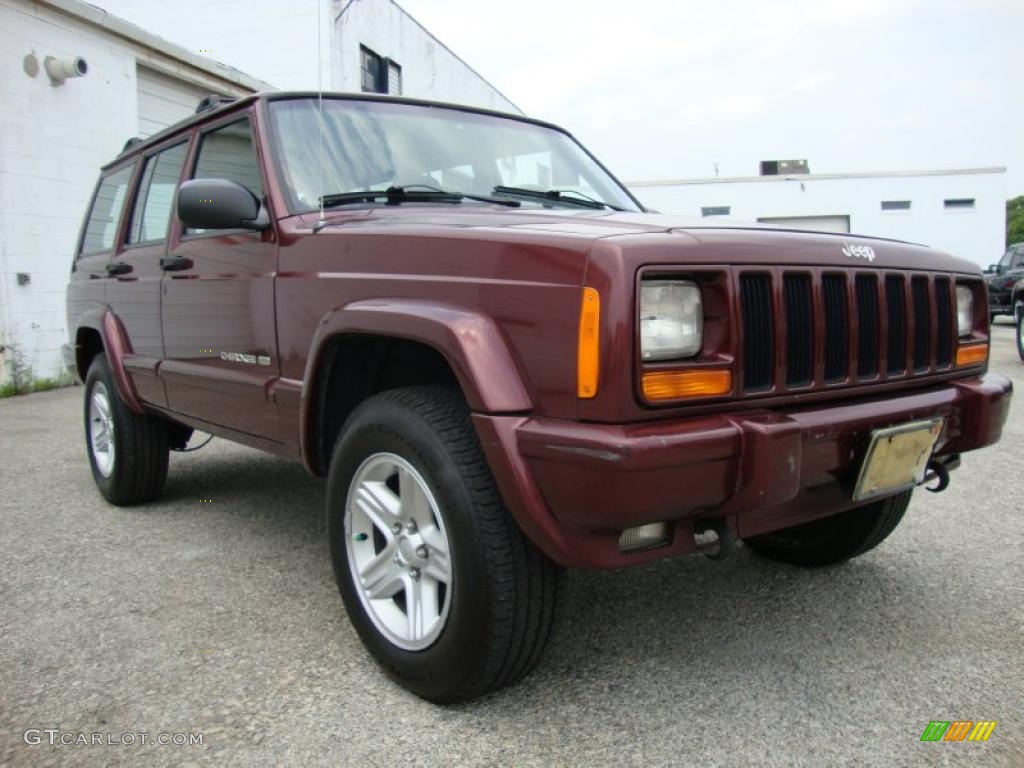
[420, 606]
[414, 502]
[438, 565]
[381, 577]
[378, 503]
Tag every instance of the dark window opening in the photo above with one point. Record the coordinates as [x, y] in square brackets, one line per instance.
[379, 73]
[960, 202]
[374, 74]
[895, 205]
[715, 210]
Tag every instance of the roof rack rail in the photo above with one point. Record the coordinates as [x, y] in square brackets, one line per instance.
[213, 101]
[132, 142]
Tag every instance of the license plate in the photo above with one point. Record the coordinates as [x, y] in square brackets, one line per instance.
[897, 458]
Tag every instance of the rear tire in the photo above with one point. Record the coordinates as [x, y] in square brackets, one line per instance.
[127, 451]
[834, 539]
[412, 506]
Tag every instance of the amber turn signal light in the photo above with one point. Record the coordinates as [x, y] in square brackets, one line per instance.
[971, 355]
[679, 385]
[589, 349]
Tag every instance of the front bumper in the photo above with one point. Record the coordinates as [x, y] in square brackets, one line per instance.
[574, 486]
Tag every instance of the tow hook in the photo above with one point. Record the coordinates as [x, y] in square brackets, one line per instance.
[714, 539]
[939, 470]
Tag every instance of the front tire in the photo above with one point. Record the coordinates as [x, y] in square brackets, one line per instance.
[441, 585]
[834, 539]
[128, 452]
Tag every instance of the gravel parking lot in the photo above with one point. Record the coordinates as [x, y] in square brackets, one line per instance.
[221, 618]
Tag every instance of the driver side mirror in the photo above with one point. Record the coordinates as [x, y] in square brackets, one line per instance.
[220, 204]
[994, 269]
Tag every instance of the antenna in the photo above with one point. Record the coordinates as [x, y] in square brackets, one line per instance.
[320, 99]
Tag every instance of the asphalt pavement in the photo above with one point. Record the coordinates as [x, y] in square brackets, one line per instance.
[213, 614]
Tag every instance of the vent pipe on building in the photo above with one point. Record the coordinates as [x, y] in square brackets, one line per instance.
[61, 69]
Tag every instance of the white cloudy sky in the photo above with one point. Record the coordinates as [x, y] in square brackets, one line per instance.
[668, 88]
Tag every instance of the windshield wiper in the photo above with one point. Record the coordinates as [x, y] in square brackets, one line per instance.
[410, 193]
[560, 195]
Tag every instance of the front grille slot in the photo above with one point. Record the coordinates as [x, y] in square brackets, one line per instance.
[837, 327]
[943, 324]
[868, 325]
[896, 312]
[922, 322]
[758, 330]
[799, 330]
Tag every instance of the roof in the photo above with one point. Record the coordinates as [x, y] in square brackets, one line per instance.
[818, 176]
[118, 27]
[209, 114]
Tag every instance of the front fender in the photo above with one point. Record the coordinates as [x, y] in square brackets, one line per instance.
[471, 342]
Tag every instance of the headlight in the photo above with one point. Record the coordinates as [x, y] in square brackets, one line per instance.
[671, 319]
[964, 310]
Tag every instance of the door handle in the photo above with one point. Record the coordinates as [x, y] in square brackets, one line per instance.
[118, 268]
[175, 263]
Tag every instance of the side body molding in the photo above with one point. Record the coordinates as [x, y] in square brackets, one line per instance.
[471, 342]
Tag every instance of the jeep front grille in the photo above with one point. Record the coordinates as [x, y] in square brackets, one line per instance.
[842, 327]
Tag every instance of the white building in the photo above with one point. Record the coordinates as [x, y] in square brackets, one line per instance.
[363, 45]
[961, 211]
[55, 135]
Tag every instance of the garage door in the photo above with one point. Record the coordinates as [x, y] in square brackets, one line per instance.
[813, 223]
[164, 100]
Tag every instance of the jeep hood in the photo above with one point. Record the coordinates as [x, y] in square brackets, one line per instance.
[657, 237]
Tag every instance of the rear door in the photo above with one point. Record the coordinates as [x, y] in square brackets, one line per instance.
[90, 278]
[219, 334]
[134, 292]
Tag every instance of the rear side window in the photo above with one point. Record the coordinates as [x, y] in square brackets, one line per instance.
[105, 214]
[228, 153]
[152, 211]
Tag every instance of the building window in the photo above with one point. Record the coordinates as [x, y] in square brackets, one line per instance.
[379, 73]
[895, 205]
[375, 77]
[959, 203]
[715, 210]
[394, 79]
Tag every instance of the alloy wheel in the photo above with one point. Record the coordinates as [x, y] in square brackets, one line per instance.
[398, 551]
[101, 429]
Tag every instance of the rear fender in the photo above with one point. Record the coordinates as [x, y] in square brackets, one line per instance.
[115, 347]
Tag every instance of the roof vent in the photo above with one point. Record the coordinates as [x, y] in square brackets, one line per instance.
[213, 101]
[783, 167]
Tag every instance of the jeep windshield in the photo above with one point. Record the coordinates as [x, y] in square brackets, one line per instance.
[373, 146]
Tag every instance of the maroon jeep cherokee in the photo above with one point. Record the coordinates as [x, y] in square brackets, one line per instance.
[503, 365]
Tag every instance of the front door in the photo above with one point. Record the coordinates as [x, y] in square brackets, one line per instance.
[220, 341]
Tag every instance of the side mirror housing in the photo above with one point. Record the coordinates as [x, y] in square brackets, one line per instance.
[220, 204]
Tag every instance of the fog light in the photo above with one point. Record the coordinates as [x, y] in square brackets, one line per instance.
[643, 537]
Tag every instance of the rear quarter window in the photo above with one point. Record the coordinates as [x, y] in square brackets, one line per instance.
[105, 212]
